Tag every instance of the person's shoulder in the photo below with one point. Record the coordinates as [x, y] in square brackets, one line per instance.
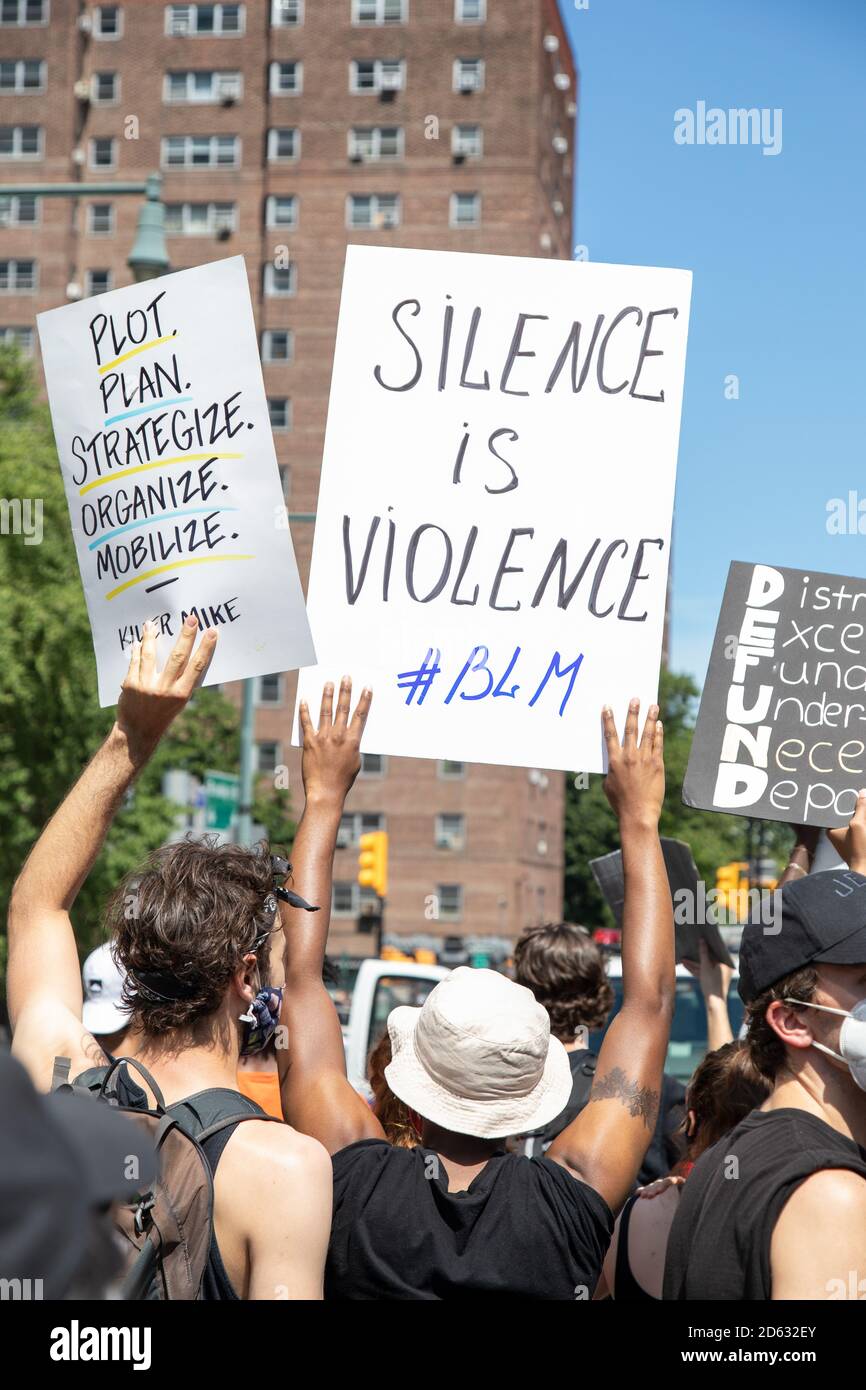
[837, 1195]
[373, 1153]
[275, 1145]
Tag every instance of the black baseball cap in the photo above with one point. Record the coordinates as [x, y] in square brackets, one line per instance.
[820, 918]
[62, 1158]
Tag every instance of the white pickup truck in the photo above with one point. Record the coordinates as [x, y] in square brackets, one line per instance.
[380, 986]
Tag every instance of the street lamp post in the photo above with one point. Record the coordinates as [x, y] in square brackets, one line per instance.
[149, 255]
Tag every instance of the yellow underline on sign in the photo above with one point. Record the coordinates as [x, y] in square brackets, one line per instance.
[160, 463]
[178, 564]
[154, 342]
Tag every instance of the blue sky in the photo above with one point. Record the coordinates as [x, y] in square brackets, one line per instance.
[777, 245]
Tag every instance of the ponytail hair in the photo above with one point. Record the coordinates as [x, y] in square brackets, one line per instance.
[725, 1088]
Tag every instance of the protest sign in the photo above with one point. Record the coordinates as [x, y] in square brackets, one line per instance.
[491, 547]
[781, 730]
[696, 912]
[165, 447]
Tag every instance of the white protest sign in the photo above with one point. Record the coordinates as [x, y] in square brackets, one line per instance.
[491, 547]
[174, 494]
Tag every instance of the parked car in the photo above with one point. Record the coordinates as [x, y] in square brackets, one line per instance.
[688, 1040]
[380, 986]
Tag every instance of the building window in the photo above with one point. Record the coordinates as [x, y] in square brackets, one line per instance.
[373, 765]
[202, 87]
[269, 690]
[97, 281]
[21, 13]
[284, 145]
[200, 219]
[204, 19]
[450, 831]
[280, 413]
[104, 88]
[22, 338]
[267, 757]
[379, 11]
[22, 75]
[285, 14]
[19, 210]
[287, 79]
[278, 345]
[17, 275]
[465, 209]
[450, 896]
[377, 75]
[107, 22]
[468, 75]
[103, 152]
[348, 898]
[372, 211]
[467, 141]
[354, 824]
[281, 210]
[376, 142]
[470, 11]
[200, 151]
[100, 219]
[20, 142]
[450, 770]
[281, 281]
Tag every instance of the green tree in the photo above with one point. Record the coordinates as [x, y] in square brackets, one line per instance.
[590, 825]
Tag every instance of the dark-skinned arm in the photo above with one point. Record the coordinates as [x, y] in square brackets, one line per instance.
[606, 1143]
[806, 839]
[317, 1096]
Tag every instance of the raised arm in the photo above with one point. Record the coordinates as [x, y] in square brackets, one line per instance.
[317, 1097]
[606, 1143]
[806, 840]
[714, 979]
[44, 979]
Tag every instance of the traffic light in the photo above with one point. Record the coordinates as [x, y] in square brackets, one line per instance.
[731, 890]
[373, 862]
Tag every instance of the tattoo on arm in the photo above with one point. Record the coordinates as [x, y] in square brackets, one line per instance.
[639, 1100]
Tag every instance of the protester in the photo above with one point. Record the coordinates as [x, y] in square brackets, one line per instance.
[400, 1126]
[193, 930]
[723, 1090]
[457, 1216]
[777, 1208]
[714, 979]
[104, 1013]
[565, 970]
[63, 1161]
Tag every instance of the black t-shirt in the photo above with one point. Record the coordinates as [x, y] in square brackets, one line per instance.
[719, 1245]
[525, 1228]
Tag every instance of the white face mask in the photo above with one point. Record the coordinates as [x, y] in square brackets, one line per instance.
[852, 1037]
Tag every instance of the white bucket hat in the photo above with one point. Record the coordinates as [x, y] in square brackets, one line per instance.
[477, 1057]
[102, 977]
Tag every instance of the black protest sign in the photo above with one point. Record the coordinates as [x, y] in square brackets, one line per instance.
[694, 908]
[781, 730]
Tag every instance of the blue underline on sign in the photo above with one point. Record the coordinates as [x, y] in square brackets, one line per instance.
[145, 409]
[154, 520]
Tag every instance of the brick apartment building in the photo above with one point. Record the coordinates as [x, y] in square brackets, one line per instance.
[283, 131]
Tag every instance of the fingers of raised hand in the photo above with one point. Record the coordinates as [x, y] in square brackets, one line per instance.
[196, 668]
[130, 680]
[649, 729]
[147, 664]
[344, 703]
[306, 723]
[326, 713]
[611, 737]
[179, 654]
[631, 722]
[362, 709]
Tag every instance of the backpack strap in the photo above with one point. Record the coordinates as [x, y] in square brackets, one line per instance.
[233, 1120]
[142, 1071]
[60, 1074]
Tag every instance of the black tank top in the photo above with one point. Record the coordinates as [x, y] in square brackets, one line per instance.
[194, 1115]
[626, 1288]
[719, 1245]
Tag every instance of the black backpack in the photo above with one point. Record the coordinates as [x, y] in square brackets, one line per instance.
[166, 1230]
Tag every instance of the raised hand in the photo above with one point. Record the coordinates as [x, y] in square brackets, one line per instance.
[635, 781]
[332, 753]
[151, 699]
